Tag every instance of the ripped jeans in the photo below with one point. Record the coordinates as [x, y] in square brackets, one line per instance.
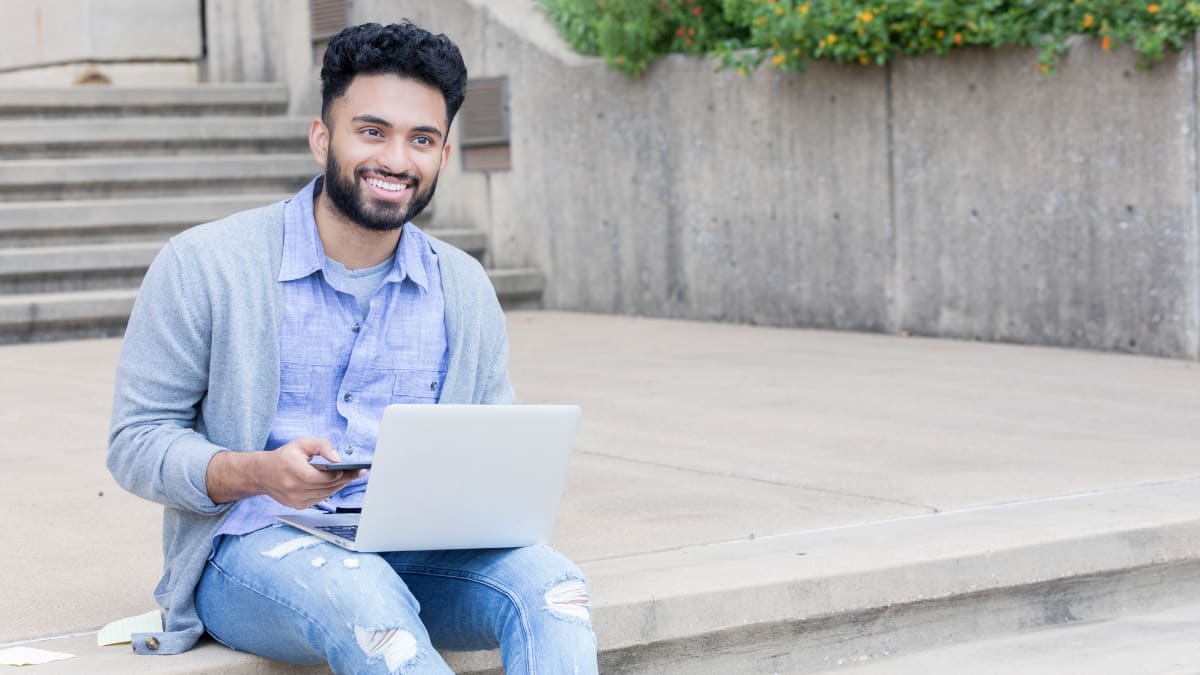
[284, 595]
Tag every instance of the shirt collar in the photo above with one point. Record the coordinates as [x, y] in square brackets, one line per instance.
[303, 253]
[410, 258]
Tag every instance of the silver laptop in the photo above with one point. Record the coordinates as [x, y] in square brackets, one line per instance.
[458, 476]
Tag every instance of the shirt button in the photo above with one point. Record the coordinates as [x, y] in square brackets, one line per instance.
[356, 327]
[152, 643]
[348, 397]
[433, 386]
[350, 450]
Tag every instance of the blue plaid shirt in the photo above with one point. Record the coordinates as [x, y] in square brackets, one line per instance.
[339, 370]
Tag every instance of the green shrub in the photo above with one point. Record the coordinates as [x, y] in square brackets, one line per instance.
[789, 34]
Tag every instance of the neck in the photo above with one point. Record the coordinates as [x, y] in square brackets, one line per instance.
[349, 243]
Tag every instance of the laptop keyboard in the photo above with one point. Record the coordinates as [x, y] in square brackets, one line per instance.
[348, 532]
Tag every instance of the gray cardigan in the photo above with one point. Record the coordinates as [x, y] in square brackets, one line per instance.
[199, 373]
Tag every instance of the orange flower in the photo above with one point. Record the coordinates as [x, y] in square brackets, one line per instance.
[697, 10]
[1106, 44]
[1088, 21]
[778, 60]
[1153, 9]
[958, 39]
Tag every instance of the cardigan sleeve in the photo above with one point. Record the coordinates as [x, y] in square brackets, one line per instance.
[154, 448]
[495, 385]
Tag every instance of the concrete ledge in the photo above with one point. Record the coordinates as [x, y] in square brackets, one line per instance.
[673, 611]
[804, 576]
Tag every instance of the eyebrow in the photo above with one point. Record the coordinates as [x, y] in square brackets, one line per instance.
[379, 121]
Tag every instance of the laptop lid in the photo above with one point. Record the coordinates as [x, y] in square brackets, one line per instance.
[466, 476]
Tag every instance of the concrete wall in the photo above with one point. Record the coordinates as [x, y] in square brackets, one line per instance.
[54, 42]
[965, 196]
[1058, 211]
[263, 41]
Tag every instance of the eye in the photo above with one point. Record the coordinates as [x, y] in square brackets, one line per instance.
[372, 131]
[423, 140]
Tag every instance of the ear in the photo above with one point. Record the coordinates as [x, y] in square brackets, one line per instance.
[445, 156]
[318, 141]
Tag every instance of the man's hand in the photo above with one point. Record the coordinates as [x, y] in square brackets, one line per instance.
[284, 474]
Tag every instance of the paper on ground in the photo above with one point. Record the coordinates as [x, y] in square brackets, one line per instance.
[28, 656]
[121, 630]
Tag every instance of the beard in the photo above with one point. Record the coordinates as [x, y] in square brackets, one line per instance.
[346, 195]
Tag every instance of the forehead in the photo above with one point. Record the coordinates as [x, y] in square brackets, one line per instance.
[405, 103]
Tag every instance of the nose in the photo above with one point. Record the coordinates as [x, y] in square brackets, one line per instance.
[395, 156]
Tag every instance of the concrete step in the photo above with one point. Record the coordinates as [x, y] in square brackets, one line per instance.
[149, 136]
[1166, 642]
[49, 269]
[518, 285]
[96, 302]
[865, 592]
[101, 101]
[126, 177]
[80, 221]
[48, 223]
[41, 269]
[809, 602]
[58, 316]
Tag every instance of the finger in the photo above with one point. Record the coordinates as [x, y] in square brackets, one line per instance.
[318, 446]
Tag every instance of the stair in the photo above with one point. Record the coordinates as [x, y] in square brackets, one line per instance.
[93, 180]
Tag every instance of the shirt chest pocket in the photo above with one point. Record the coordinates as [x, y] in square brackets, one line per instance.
[295, 385]
[417, 386]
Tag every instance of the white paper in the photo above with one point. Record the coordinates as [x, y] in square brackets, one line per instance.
[122, 630]
[28, 656]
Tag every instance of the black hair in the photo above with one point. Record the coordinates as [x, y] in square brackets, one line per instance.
[396, 49]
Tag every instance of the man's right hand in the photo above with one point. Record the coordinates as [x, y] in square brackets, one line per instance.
[284, 474]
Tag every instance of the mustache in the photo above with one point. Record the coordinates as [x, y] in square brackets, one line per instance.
[387, 174]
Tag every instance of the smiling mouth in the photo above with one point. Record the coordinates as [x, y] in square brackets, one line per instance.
[386, 185]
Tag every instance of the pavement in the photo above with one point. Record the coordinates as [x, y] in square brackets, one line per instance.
[744, 499]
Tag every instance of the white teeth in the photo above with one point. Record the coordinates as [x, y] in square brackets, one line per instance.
[390, 187]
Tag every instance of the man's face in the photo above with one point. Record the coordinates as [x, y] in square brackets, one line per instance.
[382, 150]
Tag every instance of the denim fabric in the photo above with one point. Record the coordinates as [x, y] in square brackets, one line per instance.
[285, 595]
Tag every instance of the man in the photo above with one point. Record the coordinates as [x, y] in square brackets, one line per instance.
[266, 339]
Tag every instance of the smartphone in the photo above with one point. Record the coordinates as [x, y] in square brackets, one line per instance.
[345, 466]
